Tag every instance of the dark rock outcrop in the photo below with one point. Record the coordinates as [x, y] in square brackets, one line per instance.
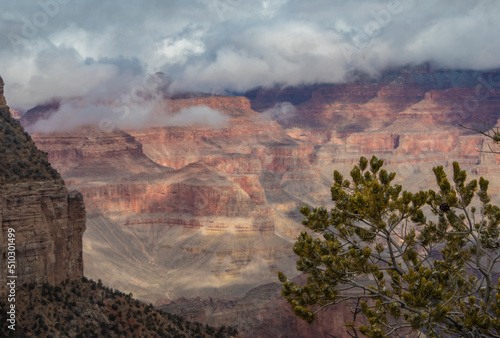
[47, 220]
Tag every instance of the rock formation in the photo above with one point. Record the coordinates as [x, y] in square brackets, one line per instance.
[3, 103]
[48, 221]
[197, 211]
[188, 199]
[263, 313]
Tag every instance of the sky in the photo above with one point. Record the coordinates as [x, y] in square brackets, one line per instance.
[100, 49]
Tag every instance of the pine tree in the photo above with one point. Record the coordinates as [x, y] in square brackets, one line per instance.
[377, 253]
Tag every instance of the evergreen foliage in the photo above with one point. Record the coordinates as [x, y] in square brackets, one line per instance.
[399, 271]
[84, 308]
[20, 160]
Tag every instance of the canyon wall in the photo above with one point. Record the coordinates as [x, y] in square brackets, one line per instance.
[196, 209]
[199, 219]
[47, 220]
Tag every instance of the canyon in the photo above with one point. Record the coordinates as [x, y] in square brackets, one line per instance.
[44, 292]
[199, 219]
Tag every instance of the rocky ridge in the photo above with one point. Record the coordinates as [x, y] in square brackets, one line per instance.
[84, 308]
[47, 220]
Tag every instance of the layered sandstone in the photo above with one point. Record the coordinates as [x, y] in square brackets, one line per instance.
[213, 211]
[90, 153]
[407, 117]
[236, 106]
[189, 201]
[48, 222]
[249, 145]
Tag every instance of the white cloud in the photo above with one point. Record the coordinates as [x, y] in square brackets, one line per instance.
[135, 114]
[235, 45]
[178, 50]
[53, 73]
[281, 112]
[198, 115]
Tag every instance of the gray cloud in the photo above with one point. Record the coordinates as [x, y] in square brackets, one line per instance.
[281, 112]
[125, 102]
[149, 113]
[198, 115]
[67, 48]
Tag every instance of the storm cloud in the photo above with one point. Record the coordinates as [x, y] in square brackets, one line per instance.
[65, 48]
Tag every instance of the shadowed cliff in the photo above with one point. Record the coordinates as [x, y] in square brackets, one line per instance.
[47, 220]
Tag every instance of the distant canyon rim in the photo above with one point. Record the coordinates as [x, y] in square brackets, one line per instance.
[199, 219]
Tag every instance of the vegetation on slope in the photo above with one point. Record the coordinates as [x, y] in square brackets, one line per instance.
[20, 160]
[84, 308]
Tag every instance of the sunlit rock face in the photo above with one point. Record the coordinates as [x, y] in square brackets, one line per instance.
[3, 103]
[405, 116]
[203, 210]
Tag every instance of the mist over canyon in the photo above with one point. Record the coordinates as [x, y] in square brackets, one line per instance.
[199, 218]
[195, 130]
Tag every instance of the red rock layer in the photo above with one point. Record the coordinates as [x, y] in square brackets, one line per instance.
[225, 217]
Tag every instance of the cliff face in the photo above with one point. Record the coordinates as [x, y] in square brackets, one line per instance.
[3, 103]
[48, 221]
[49, 224]
[405, 117]
[192, 199]
[213, 212]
